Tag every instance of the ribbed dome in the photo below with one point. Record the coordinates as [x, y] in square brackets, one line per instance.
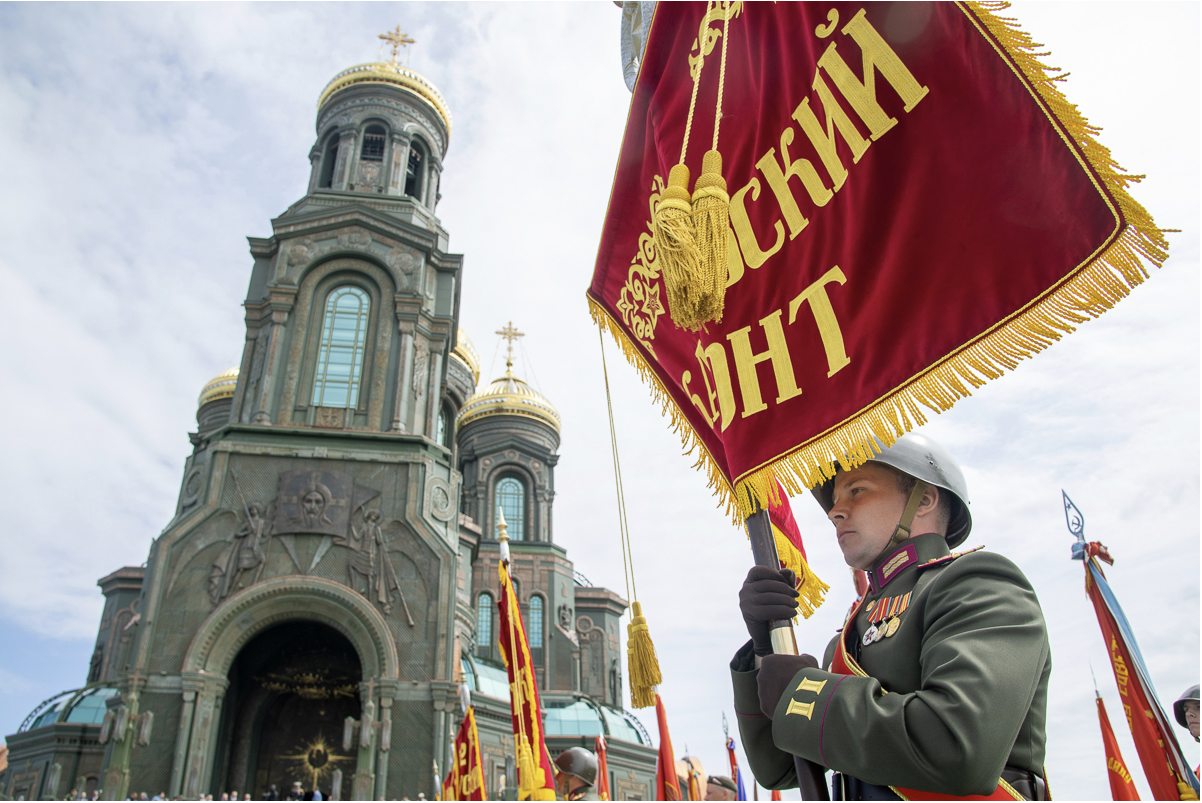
[465, 352]
[509, 396]
[386, 72]
[219, 387]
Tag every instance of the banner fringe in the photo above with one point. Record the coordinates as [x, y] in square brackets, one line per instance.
[1092, 290]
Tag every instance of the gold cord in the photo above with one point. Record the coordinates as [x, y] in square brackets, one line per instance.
[721, 71]
[688, 126]
[623, 527]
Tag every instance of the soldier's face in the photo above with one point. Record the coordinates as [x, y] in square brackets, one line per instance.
[868, 506]
[1191, 716]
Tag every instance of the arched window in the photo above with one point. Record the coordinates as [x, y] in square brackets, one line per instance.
[340, 351]
[536, 622]
[327, 165]
[373, 144]
[484, 625]
[413, 172]
[511, 496]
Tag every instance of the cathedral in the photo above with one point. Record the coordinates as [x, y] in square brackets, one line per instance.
[329, 580]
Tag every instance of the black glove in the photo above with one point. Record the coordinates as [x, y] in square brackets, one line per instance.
[766, 594]
[776, 672]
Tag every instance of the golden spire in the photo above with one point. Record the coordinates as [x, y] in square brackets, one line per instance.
[397, 39]
[510, 333]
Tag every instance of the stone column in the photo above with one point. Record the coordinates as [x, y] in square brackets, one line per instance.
[434, 401]
[279, 316]
[404, 378]
[315, 166]
[345, 162]
[181, 739]
[400, 160]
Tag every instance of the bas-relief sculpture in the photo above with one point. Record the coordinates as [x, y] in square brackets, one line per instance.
[312, 502]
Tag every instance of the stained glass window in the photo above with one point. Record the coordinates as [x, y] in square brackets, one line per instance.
[340, 352]
[511, 496]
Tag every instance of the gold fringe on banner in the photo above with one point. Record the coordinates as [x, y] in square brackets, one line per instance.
[1105, 279]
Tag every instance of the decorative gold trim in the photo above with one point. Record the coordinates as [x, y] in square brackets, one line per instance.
[382, 72]
[1094, 287]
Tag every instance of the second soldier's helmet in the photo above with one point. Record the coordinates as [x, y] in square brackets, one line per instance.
[919, 456]
[579, 762]
[1179, 707]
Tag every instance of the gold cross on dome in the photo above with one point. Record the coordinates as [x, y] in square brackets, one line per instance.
[510, 333]
[397, 39]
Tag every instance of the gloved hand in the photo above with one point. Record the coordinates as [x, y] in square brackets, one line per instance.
[766, 594]
[776, 672]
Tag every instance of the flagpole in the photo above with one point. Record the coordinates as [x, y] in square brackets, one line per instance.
[811, 777]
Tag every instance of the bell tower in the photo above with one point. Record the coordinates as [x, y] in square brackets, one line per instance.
[309, 576]
[363, 252]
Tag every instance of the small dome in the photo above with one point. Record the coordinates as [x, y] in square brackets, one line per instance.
[465, 352]
[386, 72]
[219, 387]
[509, 396]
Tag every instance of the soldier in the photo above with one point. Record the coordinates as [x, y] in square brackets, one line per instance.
[1186, 711]
[577, 774]
[936, 684]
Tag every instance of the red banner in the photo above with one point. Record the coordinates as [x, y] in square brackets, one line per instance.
[465, 779]
[536, 776]
[1164, 765]
[1121, 785]
[666, 786]
[914, 207]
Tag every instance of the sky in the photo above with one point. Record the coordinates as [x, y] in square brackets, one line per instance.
[140, 144]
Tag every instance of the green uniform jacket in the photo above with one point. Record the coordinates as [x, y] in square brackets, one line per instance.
[958, 692]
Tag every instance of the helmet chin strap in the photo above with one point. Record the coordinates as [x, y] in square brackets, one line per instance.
[907, 519]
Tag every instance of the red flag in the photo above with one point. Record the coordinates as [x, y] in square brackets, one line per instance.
[914, 207]
[775, 795]
[536, 778]
[1121, 785]
[465, 778]
[1164, 764]
[666, 787]
[600, 748]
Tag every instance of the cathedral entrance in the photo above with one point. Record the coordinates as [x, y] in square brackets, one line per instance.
[291, 689]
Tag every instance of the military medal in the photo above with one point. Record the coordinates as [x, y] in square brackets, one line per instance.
[870, 635]
[892, 627]
[880, 634]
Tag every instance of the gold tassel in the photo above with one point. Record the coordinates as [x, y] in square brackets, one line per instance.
[711, 224]
[525, 769]
[676, 246]
[641, 663]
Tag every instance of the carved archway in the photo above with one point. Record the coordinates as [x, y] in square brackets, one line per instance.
[244, 615]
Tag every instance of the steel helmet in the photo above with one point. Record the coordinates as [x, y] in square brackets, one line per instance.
[1179, 707]
[579, 762]
[918, 456]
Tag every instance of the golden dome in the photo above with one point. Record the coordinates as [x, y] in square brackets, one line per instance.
[465, 352]
[509, 396]
[219, 387]
[386, 72]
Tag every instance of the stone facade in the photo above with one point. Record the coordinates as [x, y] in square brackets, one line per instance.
[311, 609]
